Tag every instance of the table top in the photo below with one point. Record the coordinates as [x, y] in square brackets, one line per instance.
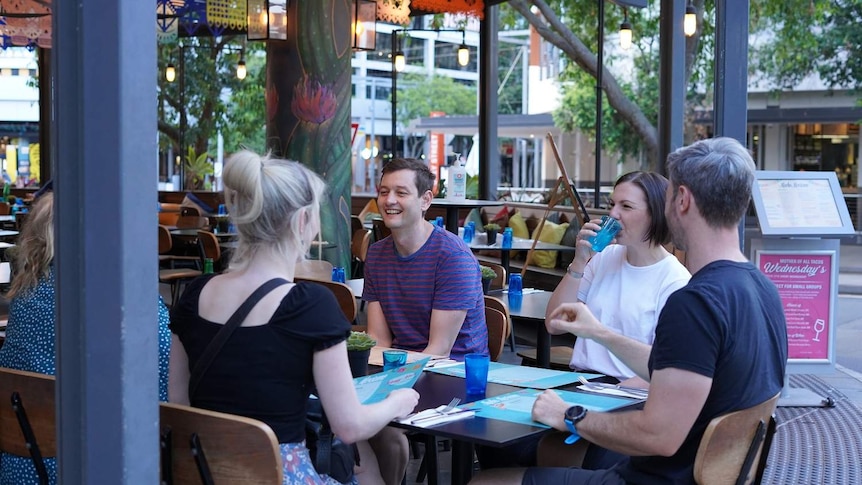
[185, 232]
[8, 233]
[7, 218]
[533, 303]
[480, 242]
[357, 285]
[437, 389]
[228, 244]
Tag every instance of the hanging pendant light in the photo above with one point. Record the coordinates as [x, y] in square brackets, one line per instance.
[267, 19]
[170, 73]
[689, 24]
[364, 25]
[626, 32]
[241, 71]
[463, 51]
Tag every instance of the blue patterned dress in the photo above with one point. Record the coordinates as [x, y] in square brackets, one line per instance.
[29, 346]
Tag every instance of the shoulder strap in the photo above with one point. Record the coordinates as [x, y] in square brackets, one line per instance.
[227, 329]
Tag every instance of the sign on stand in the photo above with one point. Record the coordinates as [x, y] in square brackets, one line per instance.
[801, 217]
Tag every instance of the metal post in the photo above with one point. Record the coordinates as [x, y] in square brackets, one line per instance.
[600, 67]
[489, 149]
[394, 95]
[672, 82]
[183, 118]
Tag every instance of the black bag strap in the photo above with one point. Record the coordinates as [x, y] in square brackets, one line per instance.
[227, 329]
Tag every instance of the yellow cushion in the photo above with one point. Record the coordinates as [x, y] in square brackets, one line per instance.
[553, 234]
[519, 229]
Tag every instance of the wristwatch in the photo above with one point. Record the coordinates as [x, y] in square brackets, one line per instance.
[573, 416]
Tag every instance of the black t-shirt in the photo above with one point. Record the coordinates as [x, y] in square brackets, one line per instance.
[263, 372]
[727, 324]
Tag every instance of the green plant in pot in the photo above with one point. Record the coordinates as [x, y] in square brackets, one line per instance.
[488, 276]
[491, 230]
[359, 346]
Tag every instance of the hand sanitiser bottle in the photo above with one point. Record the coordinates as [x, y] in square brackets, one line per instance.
[456, 188]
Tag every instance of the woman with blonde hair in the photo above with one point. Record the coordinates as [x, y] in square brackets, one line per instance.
[30, 337]
[292, 339]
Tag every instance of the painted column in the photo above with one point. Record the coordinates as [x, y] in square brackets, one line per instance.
[308, 107]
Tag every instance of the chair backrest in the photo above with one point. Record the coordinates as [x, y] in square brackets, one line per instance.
[5, 209]
[497, 325]
[209, 245]
[355, 224]
[370, 208]
[35, 393]
[500, 280]
[191, 222]
[497, 304]
[343, 293]
[235, 449]
[380, 229]
[165, 240]
[359, 244]
[169, 218]
[314, 269]
[733, 442]
[188, 210]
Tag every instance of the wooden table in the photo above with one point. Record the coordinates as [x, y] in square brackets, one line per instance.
[533, 306]
[437, 389]
[452, 207]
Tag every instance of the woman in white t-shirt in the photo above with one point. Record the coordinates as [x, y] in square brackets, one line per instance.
[627, 284]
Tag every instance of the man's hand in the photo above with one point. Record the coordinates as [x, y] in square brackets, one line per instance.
[550, 409]
[577, 319]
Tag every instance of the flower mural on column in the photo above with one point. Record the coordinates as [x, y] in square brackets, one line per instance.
[313, 102]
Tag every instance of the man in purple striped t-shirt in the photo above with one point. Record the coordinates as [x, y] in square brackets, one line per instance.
[422, 284]
[423, 287]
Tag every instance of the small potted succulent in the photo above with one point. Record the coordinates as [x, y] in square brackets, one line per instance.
[491, 230]
[488, 276]
[358, 350]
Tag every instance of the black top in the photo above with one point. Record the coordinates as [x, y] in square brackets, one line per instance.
[728, 324]
[263, 372]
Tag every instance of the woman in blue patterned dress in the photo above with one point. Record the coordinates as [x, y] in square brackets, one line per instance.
[29, 341]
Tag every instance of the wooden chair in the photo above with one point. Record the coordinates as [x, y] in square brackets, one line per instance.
[166, 243]
[561, 356]
[498, 325]
[192, 222]
[187, 210]
[210, 249]
[497, 304]
[380, 230]
[27, 417]
[343, 294]
[314, 269]
[200, 446]
[5, 209]
[175, 277]
[500, 281]
[359, 250]
[732, 443]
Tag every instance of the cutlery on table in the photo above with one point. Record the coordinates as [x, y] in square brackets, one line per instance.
[598, 386]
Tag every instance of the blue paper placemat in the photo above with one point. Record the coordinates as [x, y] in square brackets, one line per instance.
[516, 407]
[376, 387]
[519, 376]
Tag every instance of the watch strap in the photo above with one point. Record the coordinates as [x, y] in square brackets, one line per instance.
[572, 438]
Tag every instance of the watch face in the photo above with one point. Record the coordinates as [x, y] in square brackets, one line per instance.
[575, 413]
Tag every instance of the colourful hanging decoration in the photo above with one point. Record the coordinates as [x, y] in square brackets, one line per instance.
[32, 29]
[227, 13]
[394, 11]
[475, 8]
[167, 19]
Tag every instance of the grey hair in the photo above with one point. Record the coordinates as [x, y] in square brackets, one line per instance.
[719, 172]
[265, 197]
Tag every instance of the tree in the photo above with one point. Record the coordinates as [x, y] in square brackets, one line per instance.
[419, 95]
[795, 38]
[213, 99]
[577, 39]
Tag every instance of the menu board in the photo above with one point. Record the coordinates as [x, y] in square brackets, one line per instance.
[804, 282]
[800, 204]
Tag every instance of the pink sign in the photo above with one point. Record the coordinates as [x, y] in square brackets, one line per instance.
[804, 282]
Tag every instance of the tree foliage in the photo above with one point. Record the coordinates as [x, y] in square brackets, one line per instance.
[419, 96]
[794, 38]
[208, 98]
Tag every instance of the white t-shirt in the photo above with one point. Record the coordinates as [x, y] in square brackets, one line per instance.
[627, 299]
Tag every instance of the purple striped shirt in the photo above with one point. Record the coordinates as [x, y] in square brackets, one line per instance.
[444, 275]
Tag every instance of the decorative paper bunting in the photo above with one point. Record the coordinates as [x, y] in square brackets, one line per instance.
[394, 11]
[26, 31]
[476, 8]
[227, 13]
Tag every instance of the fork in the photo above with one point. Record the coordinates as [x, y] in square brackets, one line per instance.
[449, 407]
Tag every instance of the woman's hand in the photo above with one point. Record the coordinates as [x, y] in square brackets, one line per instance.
[577, 319]
[584, 249]
[404, 400]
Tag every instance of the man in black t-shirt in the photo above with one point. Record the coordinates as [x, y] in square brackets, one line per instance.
[721, 341]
